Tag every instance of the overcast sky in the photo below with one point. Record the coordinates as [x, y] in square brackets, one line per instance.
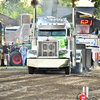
[85, 3]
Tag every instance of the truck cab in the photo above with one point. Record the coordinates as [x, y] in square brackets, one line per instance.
[52, 48]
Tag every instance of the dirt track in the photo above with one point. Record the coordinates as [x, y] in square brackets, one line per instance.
[17, 84]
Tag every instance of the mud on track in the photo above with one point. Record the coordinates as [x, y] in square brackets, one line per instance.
[17, 84]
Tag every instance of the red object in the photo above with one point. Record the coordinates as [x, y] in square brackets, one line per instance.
[85, 22]
[82, 97]
[12, 40]
[17, 34]
[84, 25]
[47, 40]
[16, 59]
[97, 54]
[85, 31]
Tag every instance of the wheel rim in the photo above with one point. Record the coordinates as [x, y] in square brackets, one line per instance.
[16, 59]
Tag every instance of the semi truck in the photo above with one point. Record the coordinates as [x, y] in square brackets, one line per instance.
[90, 40]
[53, 47]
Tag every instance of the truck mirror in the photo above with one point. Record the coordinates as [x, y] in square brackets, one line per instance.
[30, 25]
[31, 20]
[66, 42]
[68, 32]
[96, 31]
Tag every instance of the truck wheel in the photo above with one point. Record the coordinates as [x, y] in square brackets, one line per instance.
[15, 59]
[99, 63]
[30, 70]
[67, 70]
[26, 61]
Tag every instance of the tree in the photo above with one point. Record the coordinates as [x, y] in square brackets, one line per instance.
[39, 11]
[13, 1]
[12, 9]
[1, 9]
[64, 3]
[96, 5]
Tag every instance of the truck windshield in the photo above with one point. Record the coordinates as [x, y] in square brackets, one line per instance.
[44, 33]
[11, 29]
[58, 33]
[82, 29]
[52, 33]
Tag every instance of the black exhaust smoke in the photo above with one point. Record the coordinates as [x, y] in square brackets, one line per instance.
[34, 3]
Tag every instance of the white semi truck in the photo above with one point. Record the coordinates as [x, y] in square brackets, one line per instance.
[53, 46]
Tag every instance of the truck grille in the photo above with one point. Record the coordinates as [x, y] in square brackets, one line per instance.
[47, 49]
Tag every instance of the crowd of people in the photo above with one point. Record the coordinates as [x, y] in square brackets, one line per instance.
[7, 50]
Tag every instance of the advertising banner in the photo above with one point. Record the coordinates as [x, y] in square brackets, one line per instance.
[87, 42]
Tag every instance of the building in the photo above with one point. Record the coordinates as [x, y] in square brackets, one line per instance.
[8, 20]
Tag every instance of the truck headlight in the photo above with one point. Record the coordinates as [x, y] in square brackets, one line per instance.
[63, 51]
[33, 52]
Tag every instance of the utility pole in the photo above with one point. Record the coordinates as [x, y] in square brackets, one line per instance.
[34, 3]
[74, 33]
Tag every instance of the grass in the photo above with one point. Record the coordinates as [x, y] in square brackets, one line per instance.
[13, 66]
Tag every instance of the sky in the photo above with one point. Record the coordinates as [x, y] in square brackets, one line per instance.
[84, 3]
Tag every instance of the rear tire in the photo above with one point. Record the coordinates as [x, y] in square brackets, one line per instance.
[67, 70]
[15, 59]
[30, 70]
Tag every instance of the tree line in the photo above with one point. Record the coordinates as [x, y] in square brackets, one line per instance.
[12, 8]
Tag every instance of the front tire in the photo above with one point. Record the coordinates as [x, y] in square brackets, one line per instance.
[30, 70]
[67, 70]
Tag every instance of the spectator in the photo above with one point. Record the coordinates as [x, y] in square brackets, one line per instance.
[23, 51]
[6, 50]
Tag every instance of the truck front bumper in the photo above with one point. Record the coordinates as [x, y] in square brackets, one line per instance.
[47, 63]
